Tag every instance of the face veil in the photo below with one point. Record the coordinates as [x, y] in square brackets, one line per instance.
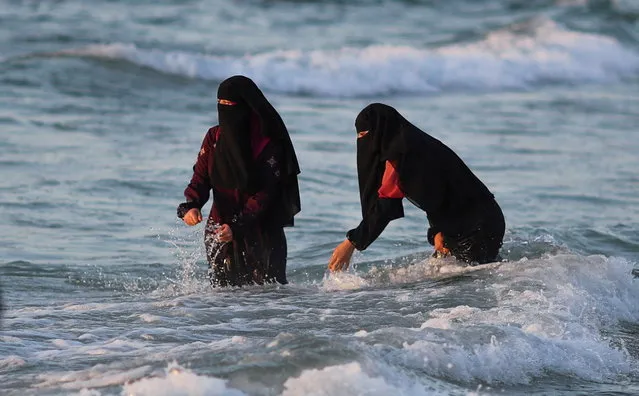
[233, 162]
[384, 141]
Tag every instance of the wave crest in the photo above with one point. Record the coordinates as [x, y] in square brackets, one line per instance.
[521, 56]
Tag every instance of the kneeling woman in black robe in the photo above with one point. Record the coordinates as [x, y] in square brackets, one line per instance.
[249, 163]
[395, 160]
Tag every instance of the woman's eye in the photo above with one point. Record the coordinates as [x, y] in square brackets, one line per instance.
[361, 134]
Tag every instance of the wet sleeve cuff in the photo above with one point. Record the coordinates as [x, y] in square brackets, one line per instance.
[184, 207]
[352, 237]
[361, 237]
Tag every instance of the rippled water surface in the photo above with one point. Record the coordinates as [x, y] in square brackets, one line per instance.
[104, 106]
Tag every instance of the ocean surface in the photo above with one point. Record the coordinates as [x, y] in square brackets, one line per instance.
[103, 107]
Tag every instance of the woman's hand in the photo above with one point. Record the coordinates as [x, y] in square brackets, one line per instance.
[224, 233]
[341, 257]
[439, 244]
[193, 217]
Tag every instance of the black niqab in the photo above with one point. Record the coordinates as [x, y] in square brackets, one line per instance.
[381, 143]
[233, 160]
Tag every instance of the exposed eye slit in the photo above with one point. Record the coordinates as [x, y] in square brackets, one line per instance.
[362, 134]
[226, 102]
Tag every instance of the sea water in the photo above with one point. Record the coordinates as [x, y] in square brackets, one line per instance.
[103, 107]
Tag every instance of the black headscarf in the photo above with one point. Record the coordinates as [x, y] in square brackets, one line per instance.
[381, 143]
[233, 164]
[431, 175]
[233, 160]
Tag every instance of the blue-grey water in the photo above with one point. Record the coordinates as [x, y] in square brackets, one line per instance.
[103, 105]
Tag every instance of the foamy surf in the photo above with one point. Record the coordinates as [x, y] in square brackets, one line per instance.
[353, 379]
[422, 270]
[343, 281]
[178, 381]
[518, 57]
[535, 319]
[548, 319]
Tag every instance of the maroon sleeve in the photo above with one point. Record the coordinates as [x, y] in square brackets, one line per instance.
[199, 189]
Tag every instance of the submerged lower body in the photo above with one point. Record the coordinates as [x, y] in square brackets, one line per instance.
[258, 257]
[480, 243]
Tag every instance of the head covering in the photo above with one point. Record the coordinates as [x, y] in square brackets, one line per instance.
[239, 99]
[431, 175]
[383, 141]
[233, 160]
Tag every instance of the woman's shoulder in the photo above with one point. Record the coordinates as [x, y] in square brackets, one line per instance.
[213, 131]
[212, 135]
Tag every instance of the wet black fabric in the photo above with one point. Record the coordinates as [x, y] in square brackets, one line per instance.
[251, 259]
[257, 254]
[480, 243]
[382, 212]
[431, 176]
[233, 165]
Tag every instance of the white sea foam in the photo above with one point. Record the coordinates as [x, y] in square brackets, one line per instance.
[88, 307]
[65, 349]
[548, 317]
[351, 379]
[343, 281]
[517, 358]
[88, 392]
[148, 318]
[510, 58]
[178, 381]
[96, 377]
[429, 269]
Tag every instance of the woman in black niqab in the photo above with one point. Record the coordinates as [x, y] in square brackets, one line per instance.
[395, 159]
[249, 163]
